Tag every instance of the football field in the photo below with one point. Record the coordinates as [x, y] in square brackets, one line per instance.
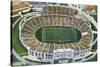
[59, 34]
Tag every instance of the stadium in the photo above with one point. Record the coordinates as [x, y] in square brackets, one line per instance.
[45, 33]
[56, 35]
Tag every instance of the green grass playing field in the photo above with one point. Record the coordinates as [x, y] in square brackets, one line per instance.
[57, 34]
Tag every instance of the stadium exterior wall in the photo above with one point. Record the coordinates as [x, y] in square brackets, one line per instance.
[43, 56]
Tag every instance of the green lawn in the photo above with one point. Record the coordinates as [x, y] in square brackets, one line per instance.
[92, 59]
[95, 16]
[13, 19]
[14, 59]
[55, 34]
[16, 44]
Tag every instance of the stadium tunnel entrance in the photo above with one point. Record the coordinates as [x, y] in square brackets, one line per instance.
[58, 34]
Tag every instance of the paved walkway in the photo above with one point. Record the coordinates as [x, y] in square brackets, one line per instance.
[22, 60]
